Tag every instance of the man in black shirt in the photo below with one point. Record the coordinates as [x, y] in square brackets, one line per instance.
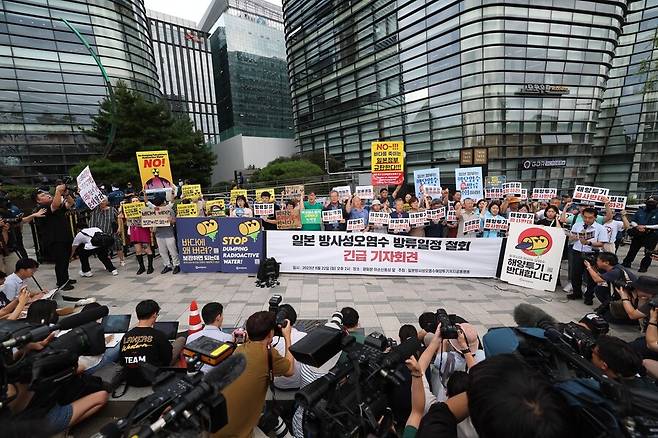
[55, 231]
[144, 344]
[617, 360]
[269, 222]
[606, 273]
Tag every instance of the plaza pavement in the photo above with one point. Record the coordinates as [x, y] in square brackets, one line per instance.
[384, 303]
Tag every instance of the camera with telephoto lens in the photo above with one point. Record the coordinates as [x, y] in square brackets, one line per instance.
[623, 284]
[589, 257]
[280, 316]
[68, 182]
[448, 329]
[653, 302]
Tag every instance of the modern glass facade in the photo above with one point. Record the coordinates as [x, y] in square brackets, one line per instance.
[182, 54]
[251, 79]
[524, 79]
[626, 141]
[50, 86]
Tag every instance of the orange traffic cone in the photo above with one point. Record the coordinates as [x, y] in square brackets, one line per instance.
[195, 320]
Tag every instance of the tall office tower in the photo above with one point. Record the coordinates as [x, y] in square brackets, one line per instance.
[50, 85]
[182, 54]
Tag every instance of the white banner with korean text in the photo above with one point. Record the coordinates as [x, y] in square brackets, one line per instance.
[377, 254]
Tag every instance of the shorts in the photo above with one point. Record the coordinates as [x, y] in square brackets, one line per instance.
[59, 417]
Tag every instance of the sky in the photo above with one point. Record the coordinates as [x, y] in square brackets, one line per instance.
[188, 9]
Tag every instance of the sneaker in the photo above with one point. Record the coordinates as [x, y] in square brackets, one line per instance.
[573, 296]
[67, 286]
[140, 271]
[122, 263]
[176, 269]
[71, 281]
[86, 274]
[149, 270]
[166, 269]
[115, 272]
[85, 301]
[567, 288]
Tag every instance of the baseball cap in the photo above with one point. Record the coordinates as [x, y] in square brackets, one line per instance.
[376, 202]
[646, 284]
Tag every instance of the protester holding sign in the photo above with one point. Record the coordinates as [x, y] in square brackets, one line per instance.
[436, 225]
[386, 199]
[586, 235]
[494, 214]
[378, 226]
[550, 217]
[399, 213]
[334, 204]
[241, 208]
[355, 209]
[467, 214]
[312, 204]
[140, 237]
[166, 239]
[416, 213]
[269, 221]
[644, 234]
[614, 227]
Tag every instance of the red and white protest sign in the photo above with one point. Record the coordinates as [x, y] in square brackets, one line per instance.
[378, 218]
[521, 218]
[263, 209]
[543, 193]
[417, 218]
[356, 224]
[332, 215]
[451, 215]
[494, 193]
[495, 224]
[588, 195]
[617, 203]
[472, 225]
[512, 189]
[364, 192]
[433, 191]
[398, 224]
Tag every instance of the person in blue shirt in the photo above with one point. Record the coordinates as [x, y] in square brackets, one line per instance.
[355, 210]
[644, 233]
[492, 213]
[334, 204]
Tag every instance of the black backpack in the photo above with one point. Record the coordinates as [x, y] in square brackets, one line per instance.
[100, 239]
[268, 273]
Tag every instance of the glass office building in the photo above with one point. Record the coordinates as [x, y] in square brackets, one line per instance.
[523, 79]
[251, 76]
[626, 141]
[50, 86]
[182, 54]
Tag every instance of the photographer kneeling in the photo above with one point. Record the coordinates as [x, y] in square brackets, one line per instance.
[637, 303]
[647, 347]
[245, 397]
[606, 274]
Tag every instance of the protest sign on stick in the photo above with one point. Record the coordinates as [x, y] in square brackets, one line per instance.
[89, 191]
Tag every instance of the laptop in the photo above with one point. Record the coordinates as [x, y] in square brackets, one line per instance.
[114, 327]
[169, 328]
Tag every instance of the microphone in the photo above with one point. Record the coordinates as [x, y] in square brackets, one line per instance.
[41, 332]
[214, 381]
[401, 353]
[527, 315]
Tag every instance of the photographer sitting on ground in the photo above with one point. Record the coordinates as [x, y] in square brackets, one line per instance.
[607, 273]
[619, 361]
[213, 318]
[245, 397]
[144, 344]
[351, 323]
[636, 302]
[505, 398]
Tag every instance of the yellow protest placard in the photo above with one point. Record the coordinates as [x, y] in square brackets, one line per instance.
[154, 169]
[187, 210]
[191, 191]
[237, 192]
[216, 207]
[259, 192]
[387, 162]
[133, 210]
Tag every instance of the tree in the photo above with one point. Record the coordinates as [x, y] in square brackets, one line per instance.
[144, 125]
[283, 169]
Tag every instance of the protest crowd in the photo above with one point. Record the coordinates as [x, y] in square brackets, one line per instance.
[449, 383]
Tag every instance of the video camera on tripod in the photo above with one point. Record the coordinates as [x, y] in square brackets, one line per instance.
[352, 397]
[48, 369]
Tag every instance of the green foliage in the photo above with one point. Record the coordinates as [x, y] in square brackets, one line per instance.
[144, 125]
[110, 172]
[284, 169]
[18, 192]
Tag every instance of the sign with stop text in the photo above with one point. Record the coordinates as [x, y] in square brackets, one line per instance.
[532, 256]
[387, 162]
[154, 169]
[220, 244]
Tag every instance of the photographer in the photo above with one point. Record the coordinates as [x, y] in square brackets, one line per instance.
[83, 248]
[11, 233]
[245, 397]
[505, 398]
[617, 360]
[606, 275]
[647, 347]
[295, 381]
[586, 235]
[55, 230]
[351, 323]
[636, 303]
